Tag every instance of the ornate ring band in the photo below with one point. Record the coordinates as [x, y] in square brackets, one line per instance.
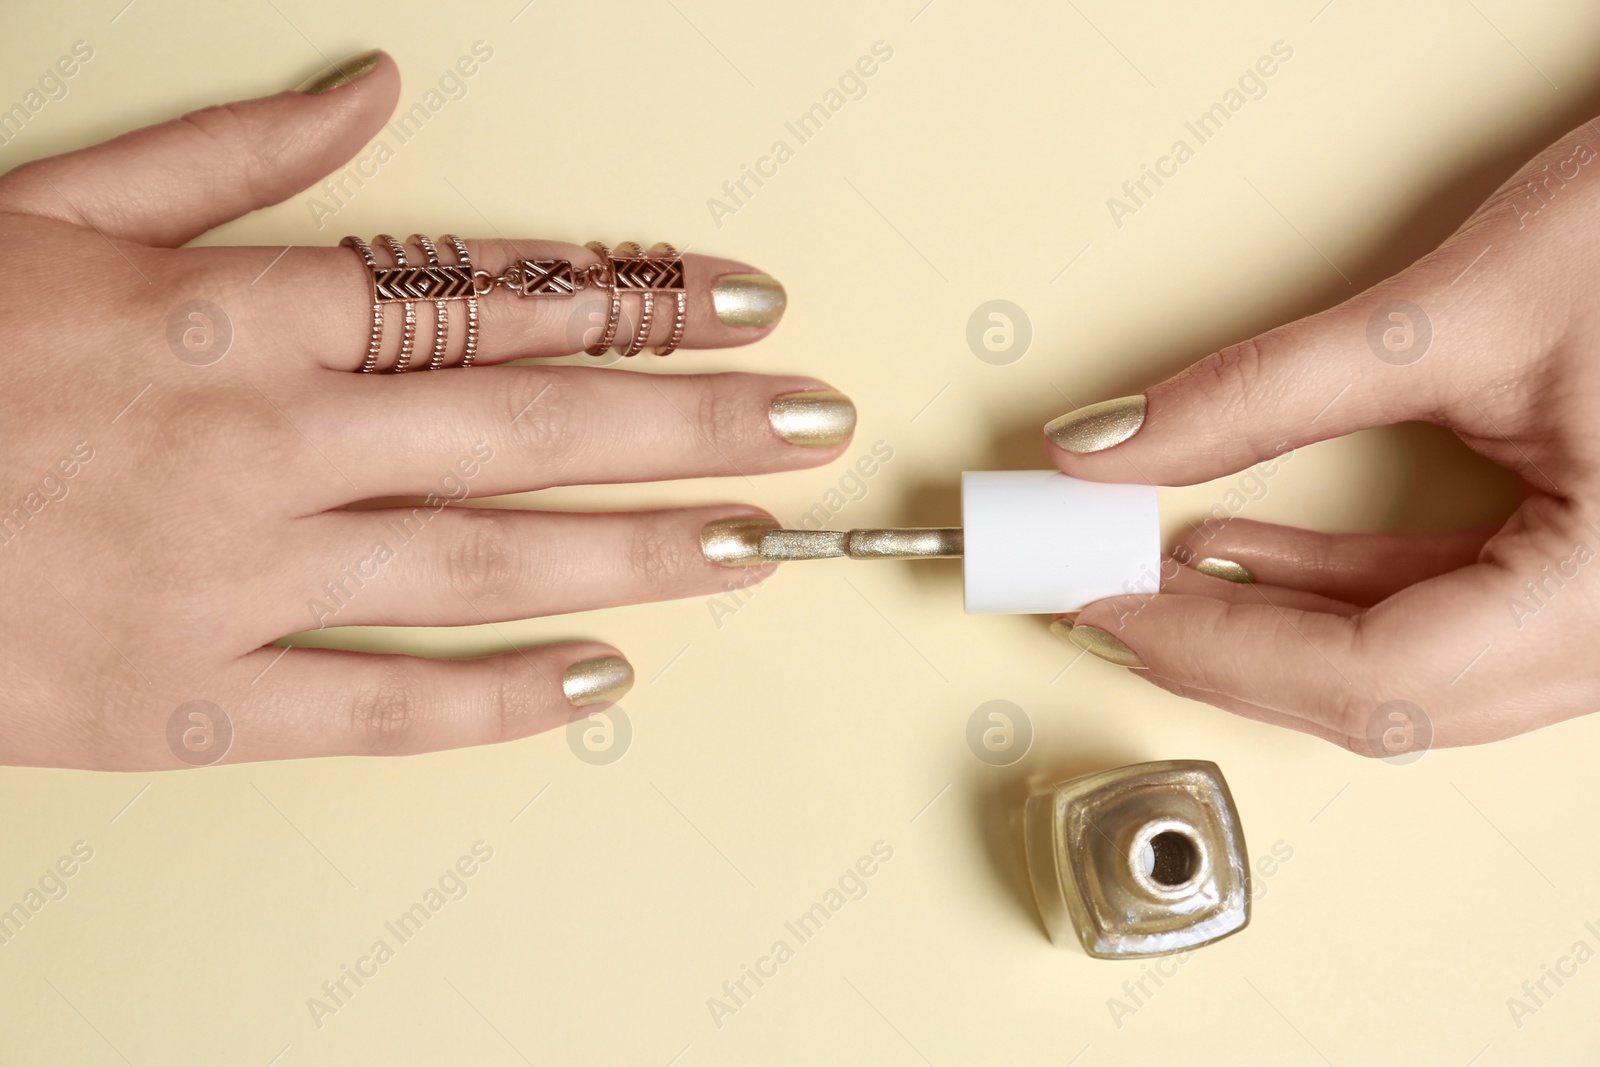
[681, 298]
[629, 269]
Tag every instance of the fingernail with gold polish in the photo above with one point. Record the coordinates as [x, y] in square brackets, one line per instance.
[1225, 568]
[736, 542]
[1099, 426]
[1062, 627]
[748, 299]
[819, 419]
[340, 73]
[1097, 641]
[597, 681]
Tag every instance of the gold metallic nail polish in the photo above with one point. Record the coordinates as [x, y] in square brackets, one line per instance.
[749, 542]
[1139, 861]
[1224, 568]
[597, 681]
[1102, 644]
[787, 546]
[748, 299]
[342, 73]
[736, 542]
[1062, 627]
[1099, 426]
[822, 418]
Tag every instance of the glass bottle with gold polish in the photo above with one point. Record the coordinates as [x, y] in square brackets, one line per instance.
[1144, 860]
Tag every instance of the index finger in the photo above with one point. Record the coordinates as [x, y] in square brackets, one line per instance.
[319, 302]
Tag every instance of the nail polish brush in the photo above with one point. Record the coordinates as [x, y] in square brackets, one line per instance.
[1031, 542]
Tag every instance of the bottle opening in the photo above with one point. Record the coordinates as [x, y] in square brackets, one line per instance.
[1171, 858]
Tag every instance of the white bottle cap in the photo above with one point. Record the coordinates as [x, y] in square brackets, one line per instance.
[1041, 542]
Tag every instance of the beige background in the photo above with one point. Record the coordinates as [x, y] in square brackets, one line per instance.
[774, 745]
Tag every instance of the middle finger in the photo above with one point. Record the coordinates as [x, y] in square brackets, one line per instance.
[433, 565]
[516, 429]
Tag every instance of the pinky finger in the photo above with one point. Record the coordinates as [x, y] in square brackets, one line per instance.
[318, 702]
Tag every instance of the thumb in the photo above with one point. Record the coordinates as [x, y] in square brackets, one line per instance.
[166, 185]
[1354, 366]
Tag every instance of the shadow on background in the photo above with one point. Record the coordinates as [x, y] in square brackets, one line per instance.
[996, 815]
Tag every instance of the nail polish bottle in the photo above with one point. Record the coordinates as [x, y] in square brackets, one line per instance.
[1145, 860]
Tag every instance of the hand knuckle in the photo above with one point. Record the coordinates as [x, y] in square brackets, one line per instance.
[387, 712]
[222, 123]
[514, 705]
[658, 552]
[482, 558]
[229, 132]
[1345, 714]
[218, 429]
[1348, 702]
[725, 420]
[1235, 373]
[544, 420]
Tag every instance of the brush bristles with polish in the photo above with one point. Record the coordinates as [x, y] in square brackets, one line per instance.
[784, 546]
